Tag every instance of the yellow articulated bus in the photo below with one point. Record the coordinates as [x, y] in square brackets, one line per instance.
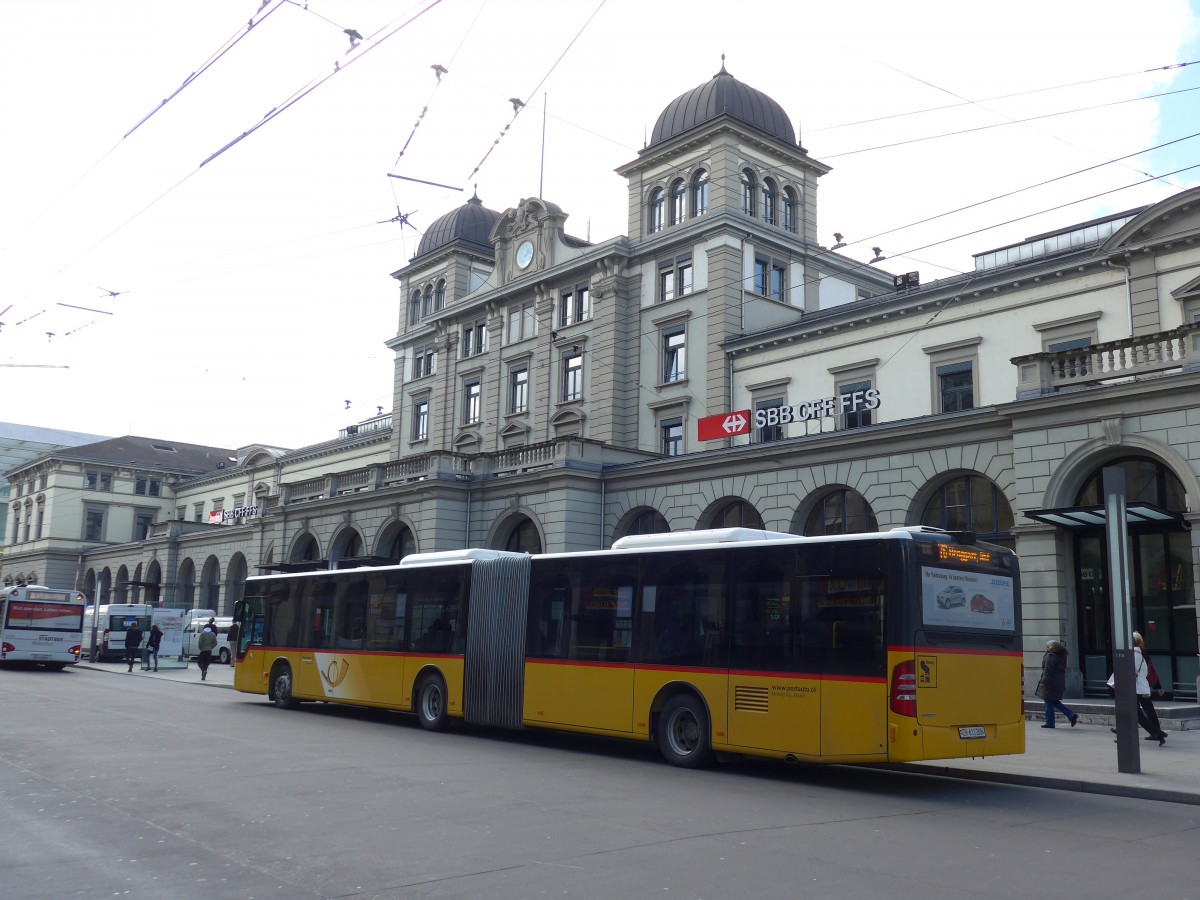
[897, 646]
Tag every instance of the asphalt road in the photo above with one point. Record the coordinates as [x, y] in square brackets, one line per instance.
[126, 786]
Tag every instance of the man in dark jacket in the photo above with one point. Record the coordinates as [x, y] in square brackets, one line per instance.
[1054, 683]
[133, 640]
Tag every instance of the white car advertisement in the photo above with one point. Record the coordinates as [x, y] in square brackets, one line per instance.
[958, 599]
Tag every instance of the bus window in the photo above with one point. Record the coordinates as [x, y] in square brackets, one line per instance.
[765, 621]
[549, 600]
[582, 609]
[352, 617]
[842, 590]
[436, 622]
[316, 613]
[281, 613]
[386, 605]
[683, 608]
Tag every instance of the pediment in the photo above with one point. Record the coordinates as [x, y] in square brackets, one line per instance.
[1176, 218]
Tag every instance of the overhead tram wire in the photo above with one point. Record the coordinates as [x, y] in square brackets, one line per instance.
[441, 72]
[1064, 112]
[229, 44]
[1021, 190]
[225, 48]
[1042, 90]
[362, 50]
[518, 105]
[1010, 119]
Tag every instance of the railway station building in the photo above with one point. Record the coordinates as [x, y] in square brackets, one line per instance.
[715, 366]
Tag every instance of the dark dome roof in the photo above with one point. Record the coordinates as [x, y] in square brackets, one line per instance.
[723, 95]
[471, 223]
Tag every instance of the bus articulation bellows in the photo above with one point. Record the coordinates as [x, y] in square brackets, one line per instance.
[735, 641]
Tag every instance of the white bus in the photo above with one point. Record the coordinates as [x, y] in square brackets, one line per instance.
[42, 625]
[114, 620]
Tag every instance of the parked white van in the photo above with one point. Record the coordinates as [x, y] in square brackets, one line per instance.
[191, 637]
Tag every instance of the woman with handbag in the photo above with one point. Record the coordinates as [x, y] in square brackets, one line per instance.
[1147, 682]
[1054, 683]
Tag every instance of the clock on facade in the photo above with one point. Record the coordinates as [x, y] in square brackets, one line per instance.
[524, 254]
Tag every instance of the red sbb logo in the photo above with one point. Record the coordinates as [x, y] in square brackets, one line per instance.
[724, 425]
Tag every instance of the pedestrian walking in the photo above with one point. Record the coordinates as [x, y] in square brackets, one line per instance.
[133, 640]
[235, 632]
[1147, 683]
[206, 643]
[1142, 669]
[1054, 683]
[152, 645]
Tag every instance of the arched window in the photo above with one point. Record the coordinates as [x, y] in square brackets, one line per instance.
[185, 583]
[654, 213]
[414, 308]
[648, 521]
[678, 198]
[789, 209]
[841, 512]
[700, 193]
[523, 538]
[428, 308]
[400, 544]
[737, 514]
[749, 189]
[235, 582]
[769, 196]
[971, 503]
[440, 296]
[1146, 481]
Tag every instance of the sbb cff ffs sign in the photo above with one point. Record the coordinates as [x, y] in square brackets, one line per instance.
[843, 404]
[724, 425]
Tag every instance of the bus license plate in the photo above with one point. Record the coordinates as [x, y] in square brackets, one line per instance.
[967, 732]
[41, 655]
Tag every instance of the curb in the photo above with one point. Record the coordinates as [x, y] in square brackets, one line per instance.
[1051, 783]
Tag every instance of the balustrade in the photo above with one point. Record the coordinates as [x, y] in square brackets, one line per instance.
[1150, 354]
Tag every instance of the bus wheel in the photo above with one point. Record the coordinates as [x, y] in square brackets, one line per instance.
[223, 656]
[281, 687]
[431, 703]
[683, 732]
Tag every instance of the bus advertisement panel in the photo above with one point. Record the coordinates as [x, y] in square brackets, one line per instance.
[43, 625]
[963, 599]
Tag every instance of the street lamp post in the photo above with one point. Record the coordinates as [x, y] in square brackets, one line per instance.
[1116, 529]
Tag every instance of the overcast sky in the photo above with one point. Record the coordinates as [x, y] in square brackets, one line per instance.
[255, 289]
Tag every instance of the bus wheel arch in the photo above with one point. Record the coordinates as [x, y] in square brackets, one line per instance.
[281, 685]
[682, 726]
[430, 700]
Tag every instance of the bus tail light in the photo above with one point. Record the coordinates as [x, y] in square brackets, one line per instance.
[6, 648]
[904, 689]
[74, 651]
